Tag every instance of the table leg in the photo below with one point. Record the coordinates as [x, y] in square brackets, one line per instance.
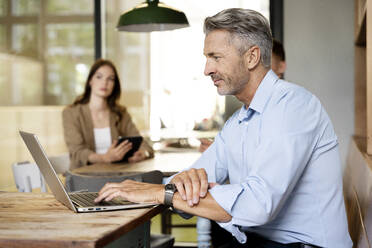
[166, 222]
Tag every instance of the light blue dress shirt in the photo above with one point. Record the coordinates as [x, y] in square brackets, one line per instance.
[282, 160]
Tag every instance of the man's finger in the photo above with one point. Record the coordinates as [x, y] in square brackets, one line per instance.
[114, 193]
[105, 193]
[180, 187]
[187, 182]
[203, 177]
[181, 190]
[195, 185]
[107, 186]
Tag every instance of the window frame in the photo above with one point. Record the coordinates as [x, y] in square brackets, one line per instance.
[42, 20]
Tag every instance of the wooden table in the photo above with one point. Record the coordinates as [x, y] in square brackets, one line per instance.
[39, 220]
[168, 163]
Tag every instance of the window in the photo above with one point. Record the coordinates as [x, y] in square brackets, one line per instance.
[130, 53]
[3, 7]
[69, 55]
[181, 96]
[60, 7]
[162, 72]
[162, 76]
[25, 7]
[50, 44]
[24, 40]
[2, 38]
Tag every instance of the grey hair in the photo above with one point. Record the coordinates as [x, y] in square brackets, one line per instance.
[249, 26]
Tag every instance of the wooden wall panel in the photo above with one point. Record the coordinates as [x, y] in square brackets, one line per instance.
[369, 75]
[360, 95]
[358, 193]
[46, 122]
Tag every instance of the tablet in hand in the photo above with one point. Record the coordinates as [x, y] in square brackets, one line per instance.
[136, 143]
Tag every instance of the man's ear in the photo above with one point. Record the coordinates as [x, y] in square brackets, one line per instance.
[252, 57]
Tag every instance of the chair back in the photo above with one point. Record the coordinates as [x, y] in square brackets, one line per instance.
[27, 176]
[60, 163]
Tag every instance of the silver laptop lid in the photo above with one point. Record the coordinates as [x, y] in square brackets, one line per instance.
[46, 169]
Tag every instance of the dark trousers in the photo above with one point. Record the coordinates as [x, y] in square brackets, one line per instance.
[223, 239]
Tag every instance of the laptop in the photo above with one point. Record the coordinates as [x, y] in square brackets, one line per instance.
[79, 202]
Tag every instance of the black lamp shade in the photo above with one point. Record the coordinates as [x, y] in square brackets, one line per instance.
[152, 16]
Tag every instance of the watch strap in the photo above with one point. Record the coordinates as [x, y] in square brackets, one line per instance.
[168, 199]
[170, 189]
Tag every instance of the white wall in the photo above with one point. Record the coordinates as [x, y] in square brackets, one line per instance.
[318, 38]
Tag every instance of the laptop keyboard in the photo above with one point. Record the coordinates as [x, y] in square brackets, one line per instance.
[86, 199]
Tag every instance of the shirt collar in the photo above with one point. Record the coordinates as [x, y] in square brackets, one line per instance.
[261, 97]
[263, 92]
[243, 113]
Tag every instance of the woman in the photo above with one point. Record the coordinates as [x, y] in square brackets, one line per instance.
[93, 123]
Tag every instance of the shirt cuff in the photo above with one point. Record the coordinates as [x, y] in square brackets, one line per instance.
[226, 195]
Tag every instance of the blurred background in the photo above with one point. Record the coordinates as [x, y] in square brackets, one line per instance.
[48, 46]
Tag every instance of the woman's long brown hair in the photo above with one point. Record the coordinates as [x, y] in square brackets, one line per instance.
[112, 100]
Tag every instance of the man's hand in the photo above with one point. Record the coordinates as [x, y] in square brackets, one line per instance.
[137, 156]
[191, 185]
[132, 191]
[116, 153]
[204, 144]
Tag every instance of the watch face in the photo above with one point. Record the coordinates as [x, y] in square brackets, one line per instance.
[170, 187]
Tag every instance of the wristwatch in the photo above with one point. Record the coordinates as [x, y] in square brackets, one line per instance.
[170, 189]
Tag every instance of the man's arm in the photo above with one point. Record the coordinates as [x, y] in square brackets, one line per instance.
[207, 208]
[154, 193]
[192, 186]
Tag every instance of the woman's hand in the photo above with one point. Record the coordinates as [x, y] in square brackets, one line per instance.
[116, 153]
[137, 156]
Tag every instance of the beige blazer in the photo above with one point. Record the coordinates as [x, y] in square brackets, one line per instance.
[79, 134]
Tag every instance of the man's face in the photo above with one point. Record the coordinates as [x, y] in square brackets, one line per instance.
[224, 63]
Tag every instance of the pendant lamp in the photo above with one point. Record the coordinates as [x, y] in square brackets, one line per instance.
[152, 15]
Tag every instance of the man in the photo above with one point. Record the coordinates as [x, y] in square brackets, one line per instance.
[279, 151]
[278, 65]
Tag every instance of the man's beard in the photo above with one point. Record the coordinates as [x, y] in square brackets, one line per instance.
[228, 87]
